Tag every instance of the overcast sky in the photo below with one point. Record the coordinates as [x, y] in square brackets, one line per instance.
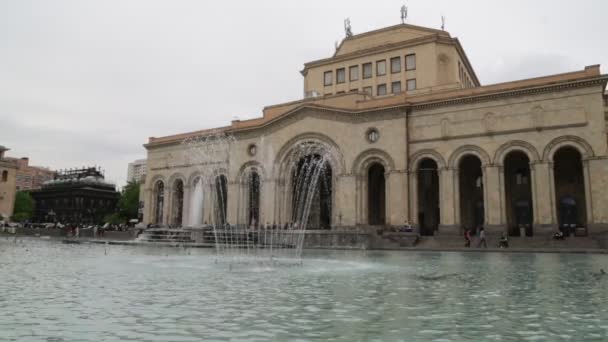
[87, 82]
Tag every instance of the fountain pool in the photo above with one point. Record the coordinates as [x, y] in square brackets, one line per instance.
[56, 292]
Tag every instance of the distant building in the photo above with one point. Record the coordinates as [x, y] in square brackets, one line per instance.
[30, 177]
[75, 196]
[8, 177]
[136, 171]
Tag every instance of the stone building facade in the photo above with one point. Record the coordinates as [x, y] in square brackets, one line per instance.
[444, 153]
[8, 179]
[31, 177]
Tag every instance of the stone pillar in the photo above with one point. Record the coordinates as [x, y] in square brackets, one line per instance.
[232, 202]
[543, 197]
[148, 205]
[267, 201]
[413, 196]
[449, 202]
[597, 171]
[493, 198]
[186, 206]
[397, 201]
[346, 204]
[166, 205]
[588, 192]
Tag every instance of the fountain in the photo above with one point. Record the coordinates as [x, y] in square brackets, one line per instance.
[249, 240]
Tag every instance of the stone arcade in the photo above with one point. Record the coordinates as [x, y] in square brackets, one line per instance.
[414, 137]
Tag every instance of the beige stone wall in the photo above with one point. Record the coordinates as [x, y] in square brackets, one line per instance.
[7, 188]
[436, 69]
[536, 123]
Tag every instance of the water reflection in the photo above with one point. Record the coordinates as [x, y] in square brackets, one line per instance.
[51, 291]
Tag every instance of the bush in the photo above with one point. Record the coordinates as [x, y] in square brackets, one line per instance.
[20, 217]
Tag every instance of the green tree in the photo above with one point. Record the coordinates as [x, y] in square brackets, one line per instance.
[113, 218]
[128, 204]
[24, 206]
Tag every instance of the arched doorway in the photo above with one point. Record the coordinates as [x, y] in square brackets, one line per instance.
[428, 196]
[196, 202]
[221, 199]
[376, 190]
[159, 199]
[178, 202]
[470, 176]
[569, 189]
[518, 193]
[253, 198]
[311, 192]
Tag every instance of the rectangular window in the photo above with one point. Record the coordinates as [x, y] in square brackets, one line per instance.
[354, 90]
[411, 84]
[410, 62]
[367, 70]
[367, 90]
[340, 75]
[380, 68]
[396, 87]
[328, 78]
[353, 73]
[381, 89]
[395, 65]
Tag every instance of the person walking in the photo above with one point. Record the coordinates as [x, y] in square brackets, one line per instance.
[482, 238]
[467, 238]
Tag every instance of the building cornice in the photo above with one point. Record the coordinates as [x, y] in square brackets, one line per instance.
[511, 93]
[589, 77]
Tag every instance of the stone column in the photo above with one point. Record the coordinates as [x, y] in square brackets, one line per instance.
[232, 202]
[543, 196]
[492, 199]
[397, 201]
[413, 196]
[449, 201]
[588, 192]
[186, 206]
[166, 206]
[346, 203]
[148, 205]
[597, 171]
[267, 200]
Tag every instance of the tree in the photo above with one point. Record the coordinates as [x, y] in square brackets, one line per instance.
[128, 204]
[113, 218]
[24, 206]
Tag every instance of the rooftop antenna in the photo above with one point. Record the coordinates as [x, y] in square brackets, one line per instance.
[442, 23]
[403, 14]
[347, 28]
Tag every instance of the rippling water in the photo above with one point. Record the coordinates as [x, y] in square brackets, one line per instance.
[56, 292]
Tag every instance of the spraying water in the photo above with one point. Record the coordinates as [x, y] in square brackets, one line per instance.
[307, 174]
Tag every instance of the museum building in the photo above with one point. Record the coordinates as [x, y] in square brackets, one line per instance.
[413, 137]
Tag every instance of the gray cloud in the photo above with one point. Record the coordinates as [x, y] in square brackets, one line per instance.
[88, 81]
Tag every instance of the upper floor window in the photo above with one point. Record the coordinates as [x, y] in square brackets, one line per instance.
[395, 65]
[5, 176]
[353, 73]
[380, 68]
[381, 89]
[367, 70]
[340, 75]
[367, 90]
[328, 78]
[396, 87]
[411, 84]
[410, 62]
